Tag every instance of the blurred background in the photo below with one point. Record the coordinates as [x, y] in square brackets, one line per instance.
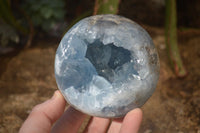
[30, 32]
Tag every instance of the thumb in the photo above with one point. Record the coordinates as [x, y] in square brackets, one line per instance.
[44, 115]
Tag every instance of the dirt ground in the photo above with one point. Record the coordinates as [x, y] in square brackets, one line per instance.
[27, 79]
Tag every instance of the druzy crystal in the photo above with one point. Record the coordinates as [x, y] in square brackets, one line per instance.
[106, 65]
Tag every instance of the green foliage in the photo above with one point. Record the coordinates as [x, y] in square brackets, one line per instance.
[9, 25]
[44, 13]
[7, 34]
[7, 16]
[106, 6]
[171, 38]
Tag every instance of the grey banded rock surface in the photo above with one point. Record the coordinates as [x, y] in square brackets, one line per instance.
[106, 65]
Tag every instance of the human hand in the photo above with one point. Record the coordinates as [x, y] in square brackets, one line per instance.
[44, 115]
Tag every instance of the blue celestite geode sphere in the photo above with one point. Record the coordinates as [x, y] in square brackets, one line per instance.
[106, 65]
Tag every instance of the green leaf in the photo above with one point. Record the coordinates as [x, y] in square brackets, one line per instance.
[7, 34]
[106, 6]
[59, 14]
[46, 12]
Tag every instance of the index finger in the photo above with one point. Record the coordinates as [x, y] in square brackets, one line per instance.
[44, 115]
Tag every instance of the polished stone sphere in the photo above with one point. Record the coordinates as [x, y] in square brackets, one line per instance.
[106, 65]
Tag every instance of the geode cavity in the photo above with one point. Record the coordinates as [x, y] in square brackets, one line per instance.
[106, 65]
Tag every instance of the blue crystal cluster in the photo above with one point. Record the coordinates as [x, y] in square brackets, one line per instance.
[106, 65]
